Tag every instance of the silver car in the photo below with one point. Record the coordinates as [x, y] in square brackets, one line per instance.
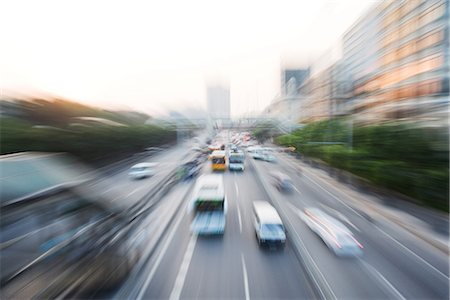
[335, 235]
[142, 170]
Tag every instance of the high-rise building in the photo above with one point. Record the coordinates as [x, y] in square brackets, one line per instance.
[397, 58]
[291, 79]
[218, 102]
[287, 106]
[323, 94]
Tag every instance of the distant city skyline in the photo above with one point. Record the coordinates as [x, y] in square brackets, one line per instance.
[132, 55]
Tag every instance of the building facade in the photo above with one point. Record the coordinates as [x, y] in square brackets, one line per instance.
[287, 107]
[397, 61]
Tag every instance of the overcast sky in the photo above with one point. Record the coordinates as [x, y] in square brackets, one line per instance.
[158, 55]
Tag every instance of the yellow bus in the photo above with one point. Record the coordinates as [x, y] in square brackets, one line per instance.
[218, 160]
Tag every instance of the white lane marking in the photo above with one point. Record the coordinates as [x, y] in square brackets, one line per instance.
[239, 217]
[237, 204]
[297, 190]
[305, 250]
[159, 258]
[295, 208]
[107, 190]
[411, 252]
[244, 271]
[181, 277]
[377, 275]
[335, 197]
[134, 191]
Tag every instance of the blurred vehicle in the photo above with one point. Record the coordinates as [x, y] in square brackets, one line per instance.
[191, 168]
[59, 235]
[236, 161]
[334, 234]
[196, 149]
[218, 160]
[213, 148]
[209, 205]
[142, 170]
[269, 228]
[255, 152]
[267, 156]
[282, 181]
[153, 149]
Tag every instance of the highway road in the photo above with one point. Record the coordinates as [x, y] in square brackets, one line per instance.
[229, 266]
[395, 264]
[122, 191]
[176, 264]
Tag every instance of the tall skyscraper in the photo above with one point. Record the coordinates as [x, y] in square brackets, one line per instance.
[218, 102]
[291, 80]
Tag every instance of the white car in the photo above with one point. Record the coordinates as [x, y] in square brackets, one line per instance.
[268, 156]
[335, 235]
[255, 152]
[142, 170]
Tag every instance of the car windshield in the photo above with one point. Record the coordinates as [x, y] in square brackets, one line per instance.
[218, 160]
[236, 159]
[272, 228]
[345, 240]
[139, 169]
[286, 182]
[209, 205]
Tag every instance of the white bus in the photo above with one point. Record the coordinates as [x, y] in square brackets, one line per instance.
[208, 205]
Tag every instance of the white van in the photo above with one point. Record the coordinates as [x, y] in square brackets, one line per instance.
[269, 228]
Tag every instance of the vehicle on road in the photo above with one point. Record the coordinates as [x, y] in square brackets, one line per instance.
[282, 181]
[218, 160]
[335, 235]
[191, 168]
[208, 205]
[267, 156]
[236, 161]
[255, 152]
[269, 228]
[142, 170]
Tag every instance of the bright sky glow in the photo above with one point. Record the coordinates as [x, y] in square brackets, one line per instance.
[158, 55]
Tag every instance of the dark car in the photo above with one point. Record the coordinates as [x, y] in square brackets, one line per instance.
[191, 169]
[282, 182]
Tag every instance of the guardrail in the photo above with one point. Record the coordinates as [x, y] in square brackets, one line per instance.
[134, 215]
[317, 279]
[136, 281]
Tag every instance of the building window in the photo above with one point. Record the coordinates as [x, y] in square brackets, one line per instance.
[430, 40]
[431, 15]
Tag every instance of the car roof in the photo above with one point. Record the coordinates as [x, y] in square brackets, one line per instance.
[144, 165]
[281, 175]
[218, 153]
[331, 222]
[266, 212]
